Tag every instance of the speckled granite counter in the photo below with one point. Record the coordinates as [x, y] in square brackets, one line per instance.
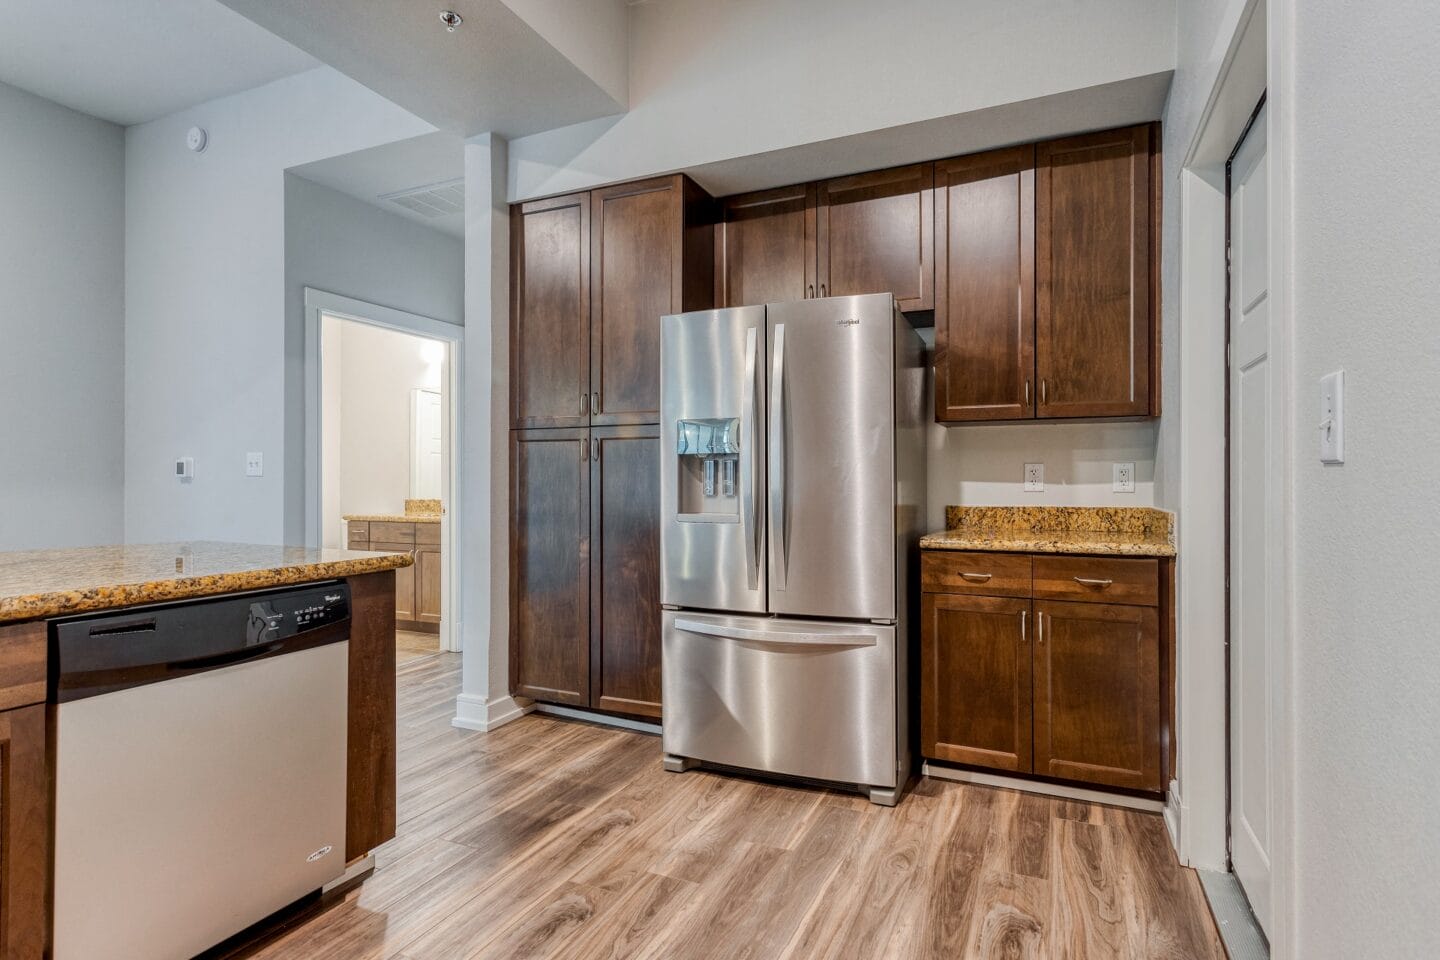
[392, 517]
[47, 583]
[1111, 531]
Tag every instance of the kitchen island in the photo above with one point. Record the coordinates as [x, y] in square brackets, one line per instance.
[36, 586]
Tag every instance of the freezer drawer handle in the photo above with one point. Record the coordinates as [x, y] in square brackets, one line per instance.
[785, 637]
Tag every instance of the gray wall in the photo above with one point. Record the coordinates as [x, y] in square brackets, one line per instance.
[62, 333]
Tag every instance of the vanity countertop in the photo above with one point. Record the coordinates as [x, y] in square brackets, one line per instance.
[47, 583]
[1106, 531]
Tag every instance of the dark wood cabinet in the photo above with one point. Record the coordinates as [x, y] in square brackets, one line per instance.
[1045, 287]
[1097, 693]
[550, 565]
[550, 312]
[625, 578]
[975, 667]
[1093, 268]
[370, 739]
[765, 247]
[875, 234]
[985, 286]
[1070, 689]
[651, 254]
[25, 819]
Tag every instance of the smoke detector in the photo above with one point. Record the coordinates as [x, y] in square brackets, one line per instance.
[451, 19]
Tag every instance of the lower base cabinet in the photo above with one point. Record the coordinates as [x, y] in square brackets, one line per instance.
[1069, 689]
[25, 816]
[584, 567]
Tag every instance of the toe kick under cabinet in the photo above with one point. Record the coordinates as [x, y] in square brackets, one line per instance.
[1051, 665]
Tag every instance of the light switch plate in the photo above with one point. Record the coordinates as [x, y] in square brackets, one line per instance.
[1034, 478]
[1332, 417]
[1123, 479]
[185, 469]
[254, 464]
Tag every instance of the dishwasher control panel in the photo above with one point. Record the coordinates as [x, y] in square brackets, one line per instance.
[277, 617]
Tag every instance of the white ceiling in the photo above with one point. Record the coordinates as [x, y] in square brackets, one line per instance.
[129, 61]
[495, 73]
[371, 174]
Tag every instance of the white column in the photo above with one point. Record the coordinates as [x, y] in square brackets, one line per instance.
[485, 702]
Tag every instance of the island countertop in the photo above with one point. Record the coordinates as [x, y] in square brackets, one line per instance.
[48, 583]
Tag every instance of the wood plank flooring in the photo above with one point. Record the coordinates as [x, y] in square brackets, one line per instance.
[549, 838]
[410, 644]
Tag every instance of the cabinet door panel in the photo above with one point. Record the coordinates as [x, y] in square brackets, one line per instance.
[625, 597]
[1097, 693]
[427, 585]
[404, 579]
[25, 816]
[985, 286]
[975, 676]
[637, 253]
[550, 312]
[1092, 263]
[767, 247]
[875, 234]
[550, 565]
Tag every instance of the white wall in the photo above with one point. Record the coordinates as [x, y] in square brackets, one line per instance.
[367, 417]
[213, 365]
[714, 80]
[1366, 249]
[62, 336]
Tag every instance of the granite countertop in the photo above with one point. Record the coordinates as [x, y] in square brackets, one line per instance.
[1112, 531]
[47, 583]
[416, 511]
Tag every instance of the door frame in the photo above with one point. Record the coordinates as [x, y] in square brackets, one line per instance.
[322, 302]
[1258, 59]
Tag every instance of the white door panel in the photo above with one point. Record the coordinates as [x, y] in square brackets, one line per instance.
[1255, 476]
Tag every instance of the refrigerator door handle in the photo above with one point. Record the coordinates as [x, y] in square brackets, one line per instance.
[777, 460]
[784, 637]
[750, 529]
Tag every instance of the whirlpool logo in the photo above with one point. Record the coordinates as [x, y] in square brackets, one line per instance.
[319, 853]
[848, 322]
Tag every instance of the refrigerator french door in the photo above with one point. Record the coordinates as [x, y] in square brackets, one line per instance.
[792, 476]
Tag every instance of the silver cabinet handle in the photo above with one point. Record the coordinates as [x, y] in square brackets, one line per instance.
[1027, 392]
[595, 449]
[822, 291]
[795, 638]
[584, 451]
[1039, 627]
[584, 401]
[809, 289]
[1023, 614]
[1044, 391]
[1093, 583]
[749, 527]
[981, 577]
[594, 403]
[777, 460]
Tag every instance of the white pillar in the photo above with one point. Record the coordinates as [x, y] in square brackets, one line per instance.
[485, 702]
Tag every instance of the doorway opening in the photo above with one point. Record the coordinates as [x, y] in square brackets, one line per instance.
[384, 421]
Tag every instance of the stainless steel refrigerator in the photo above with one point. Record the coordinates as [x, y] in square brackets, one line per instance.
[792, 486]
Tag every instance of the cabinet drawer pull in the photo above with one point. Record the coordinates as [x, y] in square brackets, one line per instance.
[1044, 391]
[809, 290]
[594, 404]
[1027, 392]
[1023, 613]
[982, 577]
[1039, 627]
[1093, 583]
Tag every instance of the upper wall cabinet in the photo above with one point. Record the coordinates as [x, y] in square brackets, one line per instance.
[870, 233]
[874, 235]
[593, 274]
[1045, 288]
[765, 247]
[550, 312]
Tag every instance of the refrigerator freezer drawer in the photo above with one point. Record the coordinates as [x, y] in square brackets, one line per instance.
[803, 698]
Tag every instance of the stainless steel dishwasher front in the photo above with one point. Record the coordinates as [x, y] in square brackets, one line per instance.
[200, 769]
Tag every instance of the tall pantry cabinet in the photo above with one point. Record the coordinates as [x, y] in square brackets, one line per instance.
[592, 273]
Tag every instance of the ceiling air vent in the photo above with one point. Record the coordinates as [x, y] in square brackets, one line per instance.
[433, 200]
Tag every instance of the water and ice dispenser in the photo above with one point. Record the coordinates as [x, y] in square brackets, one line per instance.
[708, 455]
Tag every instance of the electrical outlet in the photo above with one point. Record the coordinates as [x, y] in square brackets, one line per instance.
[1034, 477]
[1124, 478]
[254, 464]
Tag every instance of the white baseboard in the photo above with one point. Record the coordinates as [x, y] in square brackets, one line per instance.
[1060, 790]
[605, 718]
[1174, 816]
[476, 713]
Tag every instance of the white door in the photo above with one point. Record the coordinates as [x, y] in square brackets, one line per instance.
[427, 445]
[1255, 472]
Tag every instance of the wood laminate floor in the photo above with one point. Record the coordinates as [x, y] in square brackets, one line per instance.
[410, 644]
[549, 838]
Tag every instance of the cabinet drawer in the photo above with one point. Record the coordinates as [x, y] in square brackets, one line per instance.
[1098, 580]
[390, 532]
[983, 574]
[427, 533]
[359, 532]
